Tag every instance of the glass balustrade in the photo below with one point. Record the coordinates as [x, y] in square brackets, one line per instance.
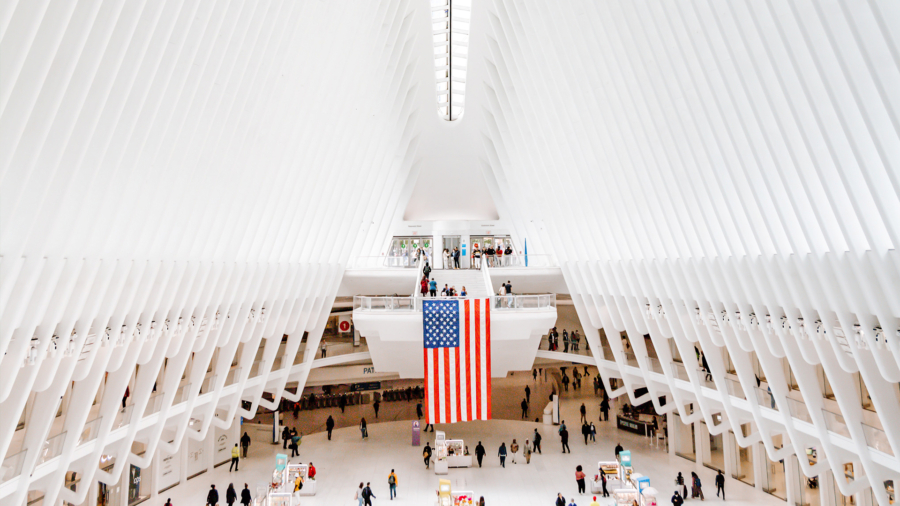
[798, 410]
[123, 416]
[765, 398]
[12, 466]
[381, 262]
[835, 422]
[734, 388]
[519, 261]
[877, 439]
[90, 431]
[52, 447]
[498, 302]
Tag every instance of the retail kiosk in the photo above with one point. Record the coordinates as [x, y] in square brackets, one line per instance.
[309, 485]
[610, 469]
[449, 453]
[649, 497]
[447, 497]
[626, 497]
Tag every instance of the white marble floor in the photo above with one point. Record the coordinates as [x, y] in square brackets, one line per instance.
[347, 460]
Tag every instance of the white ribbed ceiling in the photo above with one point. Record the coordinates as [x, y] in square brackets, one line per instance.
[216, 161]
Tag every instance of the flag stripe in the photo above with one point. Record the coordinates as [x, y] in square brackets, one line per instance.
[469, 392]
[446, 369]
[437, 387]
[458, 394]
[478, 358]
[487, 369]
[427, 404]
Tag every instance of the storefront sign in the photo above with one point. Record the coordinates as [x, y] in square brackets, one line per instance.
[631, 425]
[169, 470]
[369, 385]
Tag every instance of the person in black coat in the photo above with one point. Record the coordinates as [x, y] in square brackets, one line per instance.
[604, 410]
[329, 426]
[245, 495]
[285, 437]
[618, 450]
[368, 495]
[564, 437]
[586, 432]
[479, 453]
[720, 485]
[524, 409]
[212, 498]
[245, 444]
[230, 494]
[677, 500]
[560, 500]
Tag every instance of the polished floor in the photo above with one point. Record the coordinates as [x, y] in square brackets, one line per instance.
[348, 460]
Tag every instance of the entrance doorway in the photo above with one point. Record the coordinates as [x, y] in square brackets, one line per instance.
[488, 242]
[451, 242]
[403, 251]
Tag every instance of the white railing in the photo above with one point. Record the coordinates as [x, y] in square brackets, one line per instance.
[412, 303]
[518, 261]
[382, 262]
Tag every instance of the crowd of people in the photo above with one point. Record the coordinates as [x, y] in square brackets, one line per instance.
[494, 257]
[570, 341]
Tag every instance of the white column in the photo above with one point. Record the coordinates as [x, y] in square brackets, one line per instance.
[729, 451]
[672, 422]
[702, 440]
[760, 461]
[792, 480]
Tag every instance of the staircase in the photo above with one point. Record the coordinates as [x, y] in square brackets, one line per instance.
[472, 279]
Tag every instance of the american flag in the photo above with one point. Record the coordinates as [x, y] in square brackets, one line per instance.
[457, 351]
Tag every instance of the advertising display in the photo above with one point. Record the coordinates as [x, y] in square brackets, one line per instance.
[169, 470]
[198, 457]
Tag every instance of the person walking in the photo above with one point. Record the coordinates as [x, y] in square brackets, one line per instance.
[677, 500]
[524, 406]
[245, 495]
[235, 458]
[560, 500]
[375, 406]
[604, 410]
[426, 453]
[502, 454]
[392, 484]
[479, 453]
[583, 411]
[565, 341]
[526, 452]
[285, 437]
[363, 430]
[593, 433]
[418, 411]
[565, 381]
[720, 484]
[168, 502]
[528, 390]
[126, 396]
[586, 432]
[368, 494]
[329, 426]
[696, 487]
[212, 497]
[579, 479]
[432, 288]
[324, 350]
[426, 270]
[679, 480]
[537, 441]
[618, 450]
[245, 445]
[564, 438]
[359, 496]
[514, 450]
[230, 495]
[533, 375]
[295, 444]
[603, 484]
[423, 286]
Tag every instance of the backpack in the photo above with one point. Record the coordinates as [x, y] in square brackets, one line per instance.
[391, 480]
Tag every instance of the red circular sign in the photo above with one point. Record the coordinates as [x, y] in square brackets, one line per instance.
[344, 326]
